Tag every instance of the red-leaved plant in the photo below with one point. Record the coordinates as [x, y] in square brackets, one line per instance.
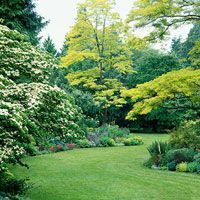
[70, 146]
[60, 147]
[52, 149]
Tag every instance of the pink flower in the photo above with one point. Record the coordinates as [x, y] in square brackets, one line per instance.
[52, 149]
[70, 146]
[59, 146]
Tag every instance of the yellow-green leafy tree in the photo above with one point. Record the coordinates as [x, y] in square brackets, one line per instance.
[161, 15]
[181, 84]
[179, 88]
[99, 35]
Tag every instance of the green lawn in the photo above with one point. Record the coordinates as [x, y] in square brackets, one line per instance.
[113, 173]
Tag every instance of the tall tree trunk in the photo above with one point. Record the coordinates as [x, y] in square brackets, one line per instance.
[101, 70]
[105, 116]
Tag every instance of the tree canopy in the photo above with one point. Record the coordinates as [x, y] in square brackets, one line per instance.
[182, 49]
[98, 35]
[182, 83]
[161, 15]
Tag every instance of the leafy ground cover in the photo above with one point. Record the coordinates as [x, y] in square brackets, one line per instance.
[113, 173]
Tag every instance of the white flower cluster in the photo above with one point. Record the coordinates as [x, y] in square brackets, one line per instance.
[19, 60]
[43, 104]
[8, 152]
[12, 129]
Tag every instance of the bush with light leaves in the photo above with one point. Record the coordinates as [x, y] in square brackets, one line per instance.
[20, 61]
[14, 133]
[52, 110]
[31, 111]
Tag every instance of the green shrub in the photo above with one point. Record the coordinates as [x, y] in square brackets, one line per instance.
[186, 136]
[11, 186]
[127, 141]
[107, 142]
[180, 155]
[182, 167]
[119, 140]
[149, 162]
[31, 111]
[192, 167]
[85, 143]
[197, 158]
[15, 140]
[171, 166]
[4, 82]
[113, 131]
[198, 168]
[133, 141]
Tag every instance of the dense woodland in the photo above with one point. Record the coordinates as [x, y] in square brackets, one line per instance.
[106, 83]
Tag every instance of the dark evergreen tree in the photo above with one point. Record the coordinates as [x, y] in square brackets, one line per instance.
[149, 64]
[63, 51]
[20, 15]
[182, 49]
[49, 46]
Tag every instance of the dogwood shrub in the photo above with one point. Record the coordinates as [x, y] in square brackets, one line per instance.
[20, 61]
[51, 109]
[31, 111]
[14, 137]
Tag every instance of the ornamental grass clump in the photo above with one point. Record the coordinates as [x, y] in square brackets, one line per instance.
[157, 151]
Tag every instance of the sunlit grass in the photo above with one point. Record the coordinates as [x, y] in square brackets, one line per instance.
[115, 173]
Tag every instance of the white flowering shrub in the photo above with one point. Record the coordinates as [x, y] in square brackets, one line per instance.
[51, 109]
[20, 61]
[14, 137]
[31, 111]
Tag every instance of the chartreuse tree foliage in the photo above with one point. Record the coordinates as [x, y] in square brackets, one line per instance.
[163, 14]
[98, 35]
[106, 91]
[174, 85]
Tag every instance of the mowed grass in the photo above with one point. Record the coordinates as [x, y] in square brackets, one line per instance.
[115, 173]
